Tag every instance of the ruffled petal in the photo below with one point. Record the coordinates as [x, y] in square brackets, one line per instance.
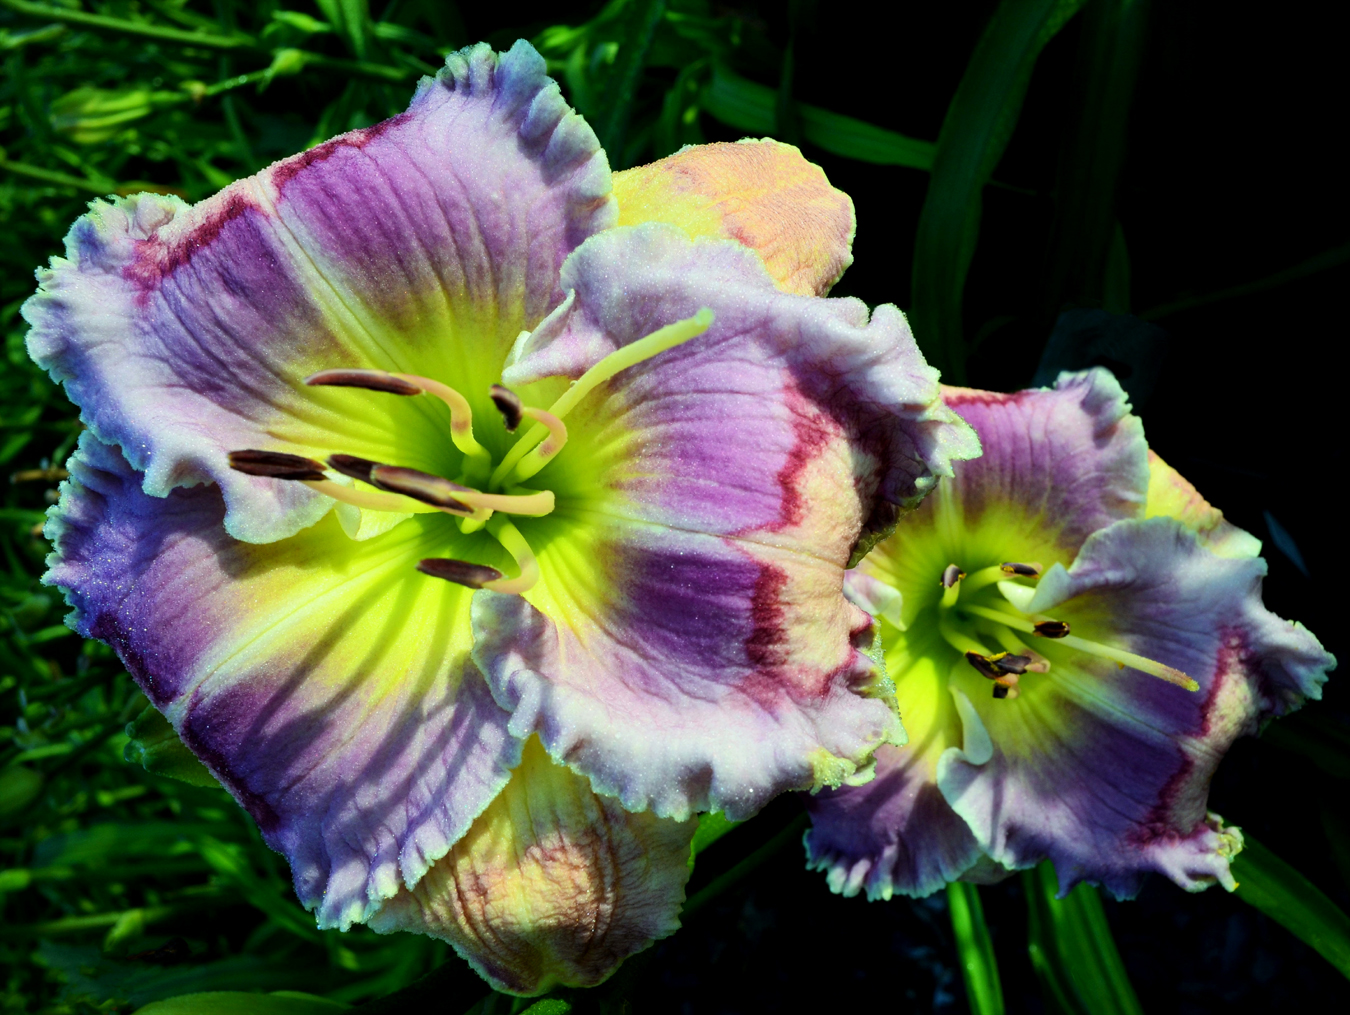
[688, 647]
[552, 885]
[1171, 495]
[897, 835]
[422, 244]
[762, 194]
[1104, 769]
[324, 681]
[1059, 463]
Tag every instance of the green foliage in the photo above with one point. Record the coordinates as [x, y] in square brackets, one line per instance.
[1072, 950]
[1287, 897]
[979, 123]
[975, 950]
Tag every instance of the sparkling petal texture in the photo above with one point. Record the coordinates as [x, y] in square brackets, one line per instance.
[552, 884]
[323, 681]
[425, 243]
[762, 194]
[1100, 767]
[1069, 459]
[897, 835]
[688, 647]
[1132, 798]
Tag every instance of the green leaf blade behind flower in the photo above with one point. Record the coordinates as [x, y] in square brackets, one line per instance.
[1267, 883]
[976, 130]
[1072, 949]
[975, 950]
[747, 105]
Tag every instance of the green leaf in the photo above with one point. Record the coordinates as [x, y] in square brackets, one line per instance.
[614, 107]
[1072, 950]
[978, 124]
[1085, 230]
[711, 827]
[237, 1002]
[156, 747]
[1291, 900]
[549, 1006]
[1320, 738]
[975, 950]
[19, 787]
[749, 106]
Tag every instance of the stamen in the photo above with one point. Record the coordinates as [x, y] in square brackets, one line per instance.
[533, 505]
[1141, 663]
[508, 404]
[620, 359]
[509, 536]
[350, 465]
[951, 585]
[983, 665]
[1005, 662]
[957, 639]
[478, 462]
[1005, 683]
[369, 500]
[371, 380]
[545, 452]
[461, 572]
[1000, 572]
[421, 486]
[1015, 648]
[275, 465]
[1051, 629]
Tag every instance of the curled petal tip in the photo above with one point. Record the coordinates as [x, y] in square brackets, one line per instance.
[275, 465]
[371, 380]
[461, 572]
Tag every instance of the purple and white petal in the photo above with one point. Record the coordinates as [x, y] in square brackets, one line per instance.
[423, 244]
[1105, 769]
[1061, 462]
[325, 682]
[689, 647]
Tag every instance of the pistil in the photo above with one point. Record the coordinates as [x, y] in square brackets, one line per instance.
[632, 354]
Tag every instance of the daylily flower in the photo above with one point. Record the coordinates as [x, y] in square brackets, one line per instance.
[1076, 638]
[473, 656]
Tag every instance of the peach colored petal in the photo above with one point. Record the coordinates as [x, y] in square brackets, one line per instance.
[763, 194]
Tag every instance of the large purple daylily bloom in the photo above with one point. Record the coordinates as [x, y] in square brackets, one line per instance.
[1076, 638]
[643, 617]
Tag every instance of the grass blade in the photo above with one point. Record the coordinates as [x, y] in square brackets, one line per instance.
[1089, 166]
[750, 106]
[979, 122]
[975, 949]
[1072, 949]
[1295, 903]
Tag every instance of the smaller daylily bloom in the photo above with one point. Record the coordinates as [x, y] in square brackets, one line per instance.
[404, 457]
[1076, 638]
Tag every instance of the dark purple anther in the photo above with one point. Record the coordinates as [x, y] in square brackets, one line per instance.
[461, 572]
[276, 465]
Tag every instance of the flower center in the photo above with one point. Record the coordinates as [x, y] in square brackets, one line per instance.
[486, 491]
[989, 607]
